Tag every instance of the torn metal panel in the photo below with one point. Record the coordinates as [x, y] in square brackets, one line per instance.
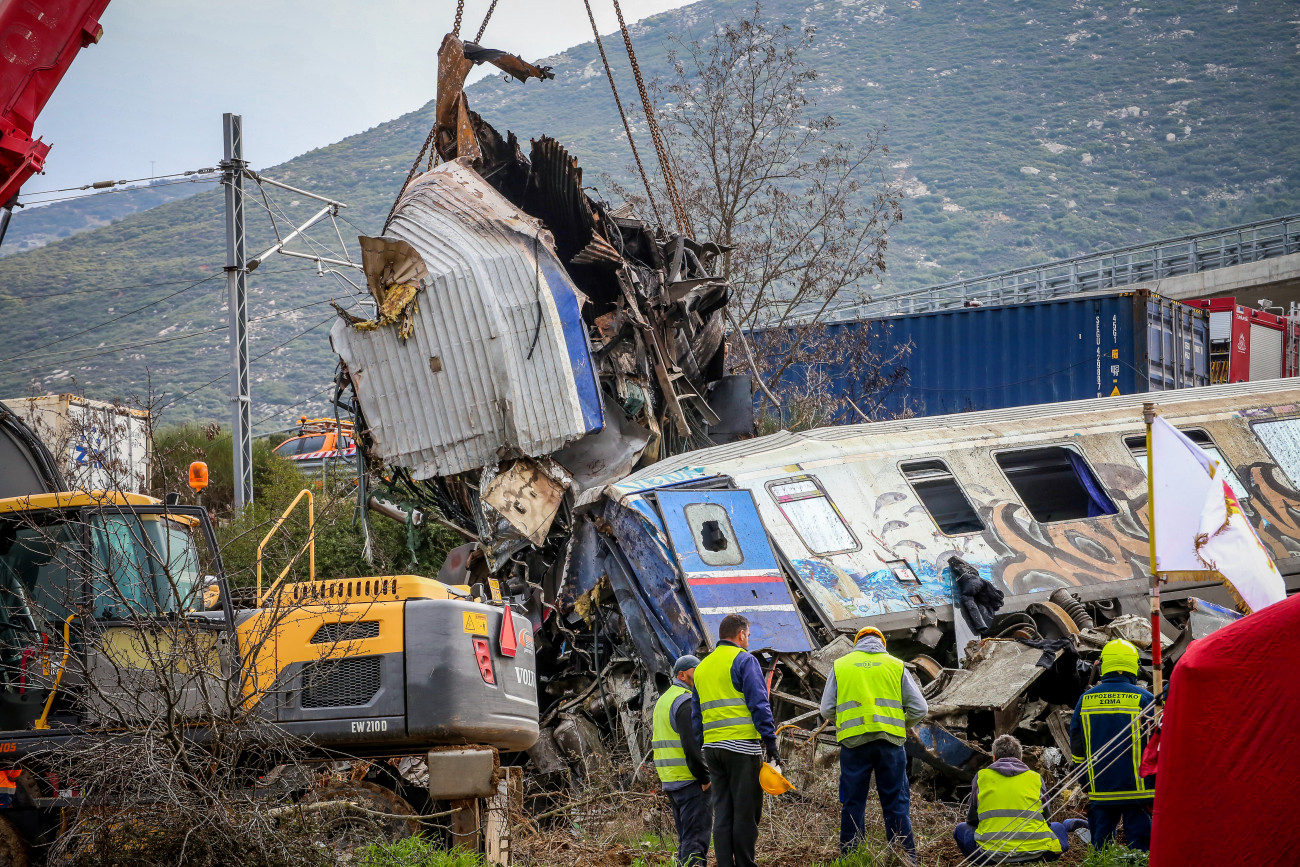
[1206, 618]
[941, 749]
[997, 678]
[654, 580]
[526, 497]
[499, 327]
[607, 454]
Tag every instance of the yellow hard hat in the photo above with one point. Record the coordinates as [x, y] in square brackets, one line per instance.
[772, 782]
[1119, 655]
[869, 630]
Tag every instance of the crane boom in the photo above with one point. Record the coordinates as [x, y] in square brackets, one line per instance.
[38, 41]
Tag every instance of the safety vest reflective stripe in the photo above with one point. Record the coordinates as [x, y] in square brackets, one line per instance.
[723, 711]
[1114, 704]
[1024, 836]
[869, 682]
[666, 741]
[1011, 814]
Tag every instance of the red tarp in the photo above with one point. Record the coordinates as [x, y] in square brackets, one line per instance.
[1228, 785]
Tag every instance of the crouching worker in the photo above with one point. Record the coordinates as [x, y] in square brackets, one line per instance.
[680, 764]
[1007, 822]
[874, 701]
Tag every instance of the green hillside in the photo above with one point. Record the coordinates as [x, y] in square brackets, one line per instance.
[1023, 131]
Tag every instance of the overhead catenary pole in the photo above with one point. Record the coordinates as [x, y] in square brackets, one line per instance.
[1157, 675]
[232, 177]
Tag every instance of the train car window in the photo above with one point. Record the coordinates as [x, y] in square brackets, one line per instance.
[1282, 439]
[715, 539]
[816, 521]
[942, 497]
[1055, 484]
[1137, 446]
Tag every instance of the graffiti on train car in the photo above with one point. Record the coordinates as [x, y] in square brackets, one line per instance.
[1273, 500]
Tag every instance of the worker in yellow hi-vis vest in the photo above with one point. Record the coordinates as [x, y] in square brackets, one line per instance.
[732, 713]
[680, 765]
[873, 701]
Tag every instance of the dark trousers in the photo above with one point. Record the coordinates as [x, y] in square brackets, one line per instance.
[889, 762]
[693, 818]
[1104, 818]
[737, 805]
[964, 834]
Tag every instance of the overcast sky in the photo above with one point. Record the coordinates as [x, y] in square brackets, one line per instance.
[148, 98]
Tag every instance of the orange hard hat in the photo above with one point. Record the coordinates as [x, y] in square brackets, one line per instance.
[772, 781]
[869, 630]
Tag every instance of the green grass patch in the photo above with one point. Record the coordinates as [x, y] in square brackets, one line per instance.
[415, 852]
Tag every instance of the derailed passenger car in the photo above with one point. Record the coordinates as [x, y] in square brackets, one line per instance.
[864, 519]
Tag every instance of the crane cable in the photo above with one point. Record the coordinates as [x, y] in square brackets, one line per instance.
[661, 150]
[636, 155]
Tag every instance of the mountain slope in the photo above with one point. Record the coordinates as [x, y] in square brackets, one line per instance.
[1023, 130]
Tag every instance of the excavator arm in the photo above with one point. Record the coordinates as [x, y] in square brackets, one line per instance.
[38, 40]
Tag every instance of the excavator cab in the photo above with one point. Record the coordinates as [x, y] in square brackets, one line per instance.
[93, 588]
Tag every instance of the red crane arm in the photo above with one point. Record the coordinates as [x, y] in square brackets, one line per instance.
[38, 40]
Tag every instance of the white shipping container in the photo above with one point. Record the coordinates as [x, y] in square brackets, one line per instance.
[98, 446]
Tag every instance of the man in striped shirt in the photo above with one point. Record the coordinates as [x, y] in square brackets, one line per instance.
[733, 718]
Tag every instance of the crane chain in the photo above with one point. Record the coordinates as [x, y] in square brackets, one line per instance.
[415, 166]
[486, 18]
[460, 13]
[627, 127]
[661, 151]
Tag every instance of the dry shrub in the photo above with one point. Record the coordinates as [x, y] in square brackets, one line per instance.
[147, 836]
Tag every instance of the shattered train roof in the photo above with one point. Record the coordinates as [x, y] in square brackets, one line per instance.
[497, 327]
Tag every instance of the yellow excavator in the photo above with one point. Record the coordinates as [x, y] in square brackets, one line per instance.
[100, 590]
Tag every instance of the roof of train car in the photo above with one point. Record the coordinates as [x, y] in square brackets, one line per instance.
[902, 437]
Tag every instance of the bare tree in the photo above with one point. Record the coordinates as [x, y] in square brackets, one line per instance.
[805, 216]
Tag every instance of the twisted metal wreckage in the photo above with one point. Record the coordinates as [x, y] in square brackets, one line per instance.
[541, 375]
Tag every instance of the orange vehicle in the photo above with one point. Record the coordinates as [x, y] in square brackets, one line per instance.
[319, 443]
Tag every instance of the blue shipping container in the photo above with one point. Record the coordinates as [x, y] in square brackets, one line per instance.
[966, 359]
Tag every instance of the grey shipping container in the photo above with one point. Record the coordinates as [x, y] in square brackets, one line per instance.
[1084, 346]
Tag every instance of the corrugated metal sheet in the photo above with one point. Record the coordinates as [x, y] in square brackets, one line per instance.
[990, 357]
[499, 354]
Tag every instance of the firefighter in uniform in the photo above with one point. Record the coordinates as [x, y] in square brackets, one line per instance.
[874, 701]
[680, 765]
[1106, 732]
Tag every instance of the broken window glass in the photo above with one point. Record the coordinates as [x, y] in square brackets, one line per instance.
[1282, 439]
[1137, 446]
[812, 515]
[715, 540]
[942, 497]
[1055, 484]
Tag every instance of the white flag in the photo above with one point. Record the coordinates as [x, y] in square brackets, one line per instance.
[1182, 476]
[1227, 544]
[1199, 524]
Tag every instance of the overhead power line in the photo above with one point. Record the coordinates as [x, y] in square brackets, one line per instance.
[124, 190]
[103, 185]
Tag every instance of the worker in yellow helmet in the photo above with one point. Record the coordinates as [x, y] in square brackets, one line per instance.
[873, 701]
[1106, 733]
